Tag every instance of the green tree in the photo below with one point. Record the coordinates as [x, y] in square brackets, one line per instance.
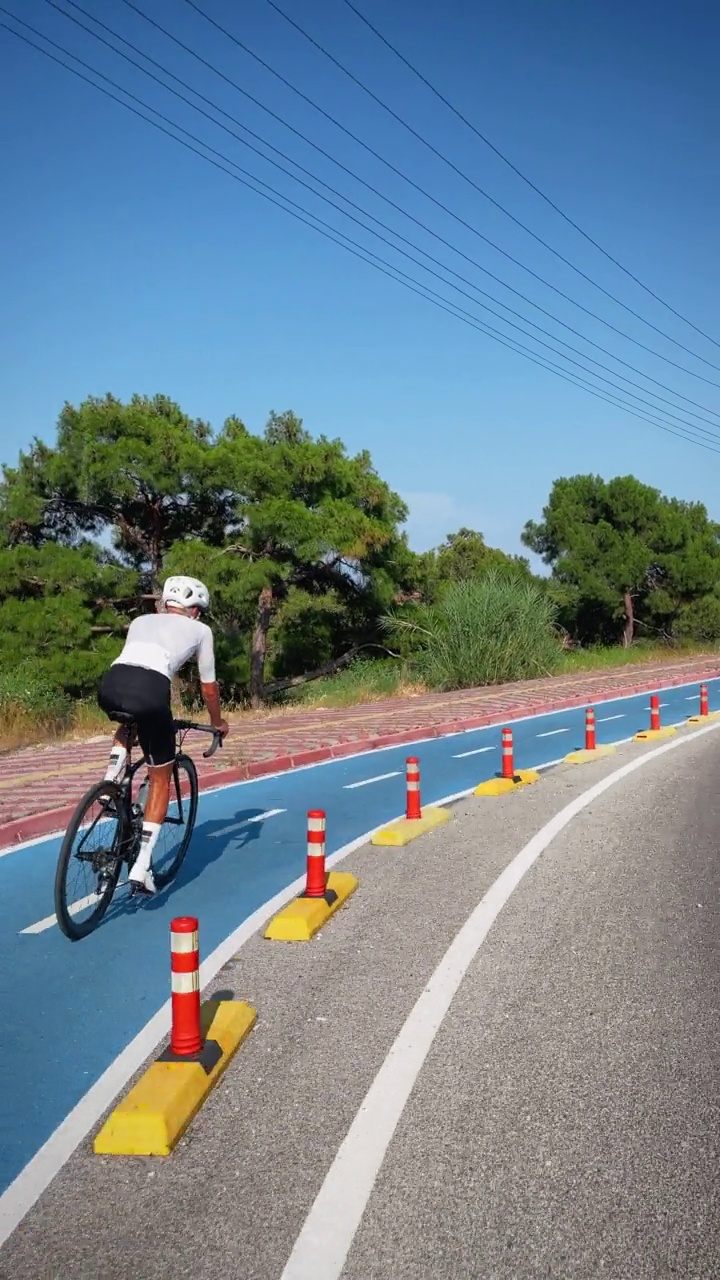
[63, 612]
[465, 556]
[297, 541]
[623, 555]
[313, 543]
[143, 471]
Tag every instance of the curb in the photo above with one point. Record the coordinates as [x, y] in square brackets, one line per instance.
[55, 820]
[400, 833]
[301, 919]
[503, 786]
[153, 1116]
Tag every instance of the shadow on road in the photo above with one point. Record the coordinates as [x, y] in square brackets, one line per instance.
[209, 842]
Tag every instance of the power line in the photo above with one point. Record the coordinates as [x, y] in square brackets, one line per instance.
[366, 214]
[496, 150]
[393, 168]
[519, 348]
[332, 233]
[470, 181]
[411, 217]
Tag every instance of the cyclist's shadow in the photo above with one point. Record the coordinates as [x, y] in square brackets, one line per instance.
[209, 842]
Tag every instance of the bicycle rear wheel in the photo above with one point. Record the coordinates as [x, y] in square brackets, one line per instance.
[89, 861]
[176, 832]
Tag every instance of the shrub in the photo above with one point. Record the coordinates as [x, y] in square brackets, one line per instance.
[497, 629]
[29, 700]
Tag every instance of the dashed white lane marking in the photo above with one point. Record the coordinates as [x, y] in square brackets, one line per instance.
[327, 1234]
[477, 752]
[49, 921]
[550, 733]
[606, 719]
[239, 826]
[351, 786]
[80, 905]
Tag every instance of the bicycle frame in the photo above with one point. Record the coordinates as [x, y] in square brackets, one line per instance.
[132, 769]
[135, 819]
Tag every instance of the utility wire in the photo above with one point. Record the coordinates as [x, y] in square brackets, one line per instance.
[393, 168]
[331, 233]
[466, 178]
[524, 178]
[371, 216]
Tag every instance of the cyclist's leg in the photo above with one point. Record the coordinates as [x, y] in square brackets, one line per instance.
[157, 739]
[112, 699]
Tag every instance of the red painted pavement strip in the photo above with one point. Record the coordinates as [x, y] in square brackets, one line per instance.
[506, 705]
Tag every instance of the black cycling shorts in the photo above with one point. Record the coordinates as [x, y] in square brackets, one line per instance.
[144, 695]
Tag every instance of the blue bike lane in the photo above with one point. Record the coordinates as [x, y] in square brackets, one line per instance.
[69, 1009]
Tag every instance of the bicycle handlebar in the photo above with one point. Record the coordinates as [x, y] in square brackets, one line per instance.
[202, 728]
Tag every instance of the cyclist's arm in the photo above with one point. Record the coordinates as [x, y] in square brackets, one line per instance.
[211, 698]
[208, 683]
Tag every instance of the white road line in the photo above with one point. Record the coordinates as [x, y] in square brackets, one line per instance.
[351, 786]
[49, 921]
[239, 826]
[477, 752]
[551, 733]
[38, 1173]
[606, 719]
[81, 903]
[327, 1234]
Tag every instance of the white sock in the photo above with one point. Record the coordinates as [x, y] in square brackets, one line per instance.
[116, 763]
[141, 865]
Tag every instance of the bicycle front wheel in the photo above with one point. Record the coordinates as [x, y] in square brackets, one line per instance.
[176, 832]
[89, 861]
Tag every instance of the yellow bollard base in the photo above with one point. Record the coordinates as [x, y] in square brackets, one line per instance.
[585, 756]
[651, 735]
[503, 786]
[404, 830]
[301, 919]
[158, 1109]
[712, 715]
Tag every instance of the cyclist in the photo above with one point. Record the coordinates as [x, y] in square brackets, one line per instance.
[138, 684]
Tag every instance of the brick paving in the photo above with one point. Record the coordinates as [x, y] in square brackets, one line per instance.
[38, 784]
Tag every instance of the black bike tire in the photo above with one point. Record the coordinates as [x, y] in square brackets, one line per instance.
[67, 924]
[181, 762]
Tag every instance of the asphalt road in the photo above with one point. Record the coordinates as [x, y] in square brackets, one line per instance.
[68, 1010]
[565, 1120]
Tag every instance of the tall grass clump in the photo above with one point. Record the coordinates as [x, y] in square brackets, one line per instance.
[31, 706]
[486, 631]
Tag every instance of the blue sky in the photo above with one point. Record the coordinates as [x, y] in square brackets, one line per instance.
[129, 264]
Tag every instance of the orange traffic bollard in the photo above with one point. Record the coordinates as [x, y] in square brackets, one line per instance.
[654, 712]
[413, 805]
[508, 766]
[185, 1039]
[315, 879]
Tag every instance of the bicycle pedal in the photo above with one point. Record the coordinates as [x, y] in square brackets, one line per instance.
[139, 890]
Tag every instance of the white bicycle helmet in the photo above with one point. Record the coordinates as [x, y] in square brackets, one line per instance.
[185, 592]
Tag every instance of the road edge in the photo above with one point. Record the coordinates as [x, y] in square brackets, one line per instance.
[53, 821]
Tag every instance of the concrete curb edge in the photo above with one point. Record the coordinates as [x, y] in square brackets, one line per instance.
[54, 820]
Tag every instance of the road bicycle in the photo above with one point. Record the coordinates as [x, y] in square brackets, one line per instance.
[107, 826]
